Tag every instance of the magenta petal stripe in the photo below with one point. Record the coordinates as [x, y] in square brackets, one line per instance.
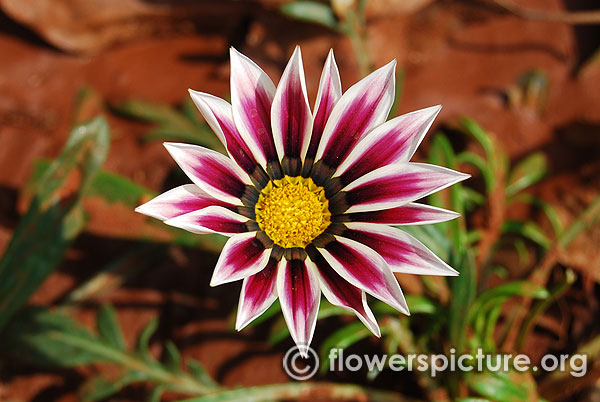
[211, 171]
[365, 269]
[401, 251]
[211, 219]
[361, 108]
[330, 91]
[252, 94]
[218, 114]
[409, 214]
[398, 184]
[242, 256]
[290, 116]
[300, 296]
[392, 142]
[341, 293]
[259, 291]
[179, 201]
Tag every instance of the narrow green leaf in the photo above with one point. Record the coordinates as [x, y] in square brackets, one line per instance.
[142, 347]
[311, 11]
[171, 124]
[101, 387]
[529, 230]
[199, 372]
[526, 173]
[417, 305]
[51, 222]
[108, 327]
[497, 386]
[172, 357]
[38, 335]
[342, 338]
[156, 394]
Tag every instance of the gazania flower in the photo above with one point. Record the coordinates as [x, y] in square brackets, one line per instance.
[309, 200]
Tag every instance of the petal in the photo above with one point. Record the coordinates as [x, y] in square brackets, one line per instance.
[365, 269]
[290, 116]
[396, 185]
[409, 214]
[211, 171]
[252, 93]
[299, 294]
[341, 293]
[330, 91]
[259, 291]
[401, 251]
[243, 255]
[212, 219]
[219, 116]
[361, 108]
[392, 142]
[178, 201]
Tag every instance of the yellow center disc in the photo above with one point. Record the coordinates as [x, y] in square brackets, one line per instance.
[293, 211]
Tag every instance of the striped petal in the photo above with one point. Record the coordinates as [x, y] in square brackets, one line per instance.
[178, 201]
[290, 116]
[341, 293]
[212, 219]
[409, 214]
[211, 171]
[252, 94]
[392, 142]
[243, 255]
[395, 185]
[218, 114]
[259, 291]
[299, 295]
[360, 109]
[365, 269]
[401, 251]
[330, 91]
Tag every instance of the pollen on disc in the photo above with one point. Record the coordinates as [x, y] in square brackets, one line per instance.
[292, 211]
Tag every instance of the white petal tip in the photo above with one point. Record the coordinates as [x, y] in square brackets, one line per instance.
[303, 351]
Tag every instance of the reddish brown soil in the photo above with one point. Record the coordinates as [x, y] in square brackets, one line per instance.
[459, 54]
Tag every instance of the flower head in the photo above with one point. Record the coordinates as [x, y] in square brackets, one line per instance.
[310, 200]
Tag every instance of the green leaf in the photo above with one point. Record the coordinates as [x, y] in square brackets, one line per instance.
[311, 11]
[416, 304]
[41, 337]
[156, 394]
[142, 347]
[54, 339]
[108, 327]
[342, 338]
[471, 127]
[172, 357]
[529, 230]
[526, 173]
[110, 186]
[497, 386]
[172, 124]
[101, 387]
[199, 372]
[52, 220]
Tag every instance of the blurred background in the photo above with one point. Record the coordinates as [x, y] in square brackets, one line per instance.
[100, 303]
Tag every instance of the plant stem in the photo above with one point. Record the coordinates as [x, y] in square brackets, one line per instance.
[294, 390]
